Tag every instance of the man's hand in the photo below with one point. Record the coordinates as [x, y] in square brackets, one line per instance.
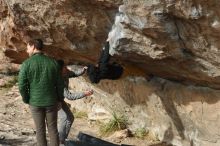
[89, 92]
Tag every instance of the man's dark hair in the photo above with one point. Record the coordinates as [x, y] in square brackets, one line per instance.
[38, 43]
[60, 63]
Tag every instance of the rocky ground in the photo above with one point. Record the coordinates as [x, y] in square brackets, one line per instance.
[17, 128]
[15, 120]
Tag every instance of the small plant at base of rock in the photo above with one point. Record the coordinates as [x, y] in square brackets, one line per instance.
[118, 122]
[11, 82]
[141, 133]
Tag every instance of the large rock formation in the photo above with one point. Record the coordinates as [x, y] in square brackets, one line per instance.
[174, 40]
[72, 27]
[177, 114]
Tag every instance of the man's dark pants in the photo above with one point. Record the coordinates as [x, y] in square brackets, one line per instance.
[48, 114]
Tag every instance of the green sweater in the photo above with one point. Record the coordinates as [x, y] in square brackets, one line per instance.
[40, 82]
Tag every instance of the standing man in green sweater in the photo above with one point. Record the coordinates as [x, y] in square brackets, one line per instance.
[41, 87]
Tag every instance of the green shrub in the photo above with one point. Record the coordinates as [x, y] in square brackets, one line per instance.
[118, 122]
[11, 82]
[141, 133]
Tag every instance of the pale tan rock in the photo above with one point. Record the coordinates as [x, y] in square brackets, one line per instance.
[118, 136]
[174, 113]
[170, 39]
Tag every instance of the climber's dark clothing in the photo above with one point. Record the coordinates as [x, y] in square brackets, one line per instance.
[105, 70]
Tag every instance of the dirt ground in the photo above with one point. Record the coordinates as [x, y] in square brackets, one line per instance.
[17, 127]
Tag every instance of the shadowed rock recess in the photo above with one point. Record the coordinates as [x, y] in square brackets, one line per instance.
[175, 41]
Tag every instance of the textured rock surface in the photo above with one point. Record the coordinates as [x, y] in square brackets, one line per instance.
[176, 40]
[71, 27]
[171, 112]
[6, 65]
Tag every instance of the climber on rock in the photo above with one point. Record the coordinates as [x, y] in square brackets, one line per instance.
[104, 69]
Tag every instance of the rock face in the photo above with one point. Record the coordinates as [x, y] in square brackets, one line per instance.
[6, 66]
[173, 113]
[176, 41]
[72, 27]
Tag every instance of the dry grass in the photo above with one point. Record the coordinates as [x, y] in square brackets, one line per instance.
[79, 114]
